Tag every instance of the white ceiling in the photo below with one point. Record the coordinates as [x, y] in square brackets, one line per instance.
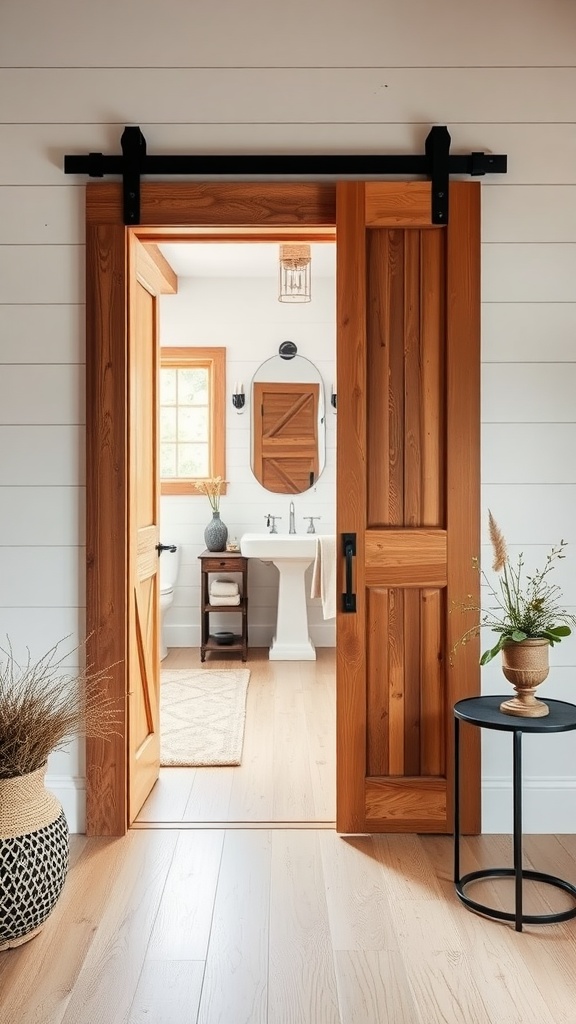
[241, 259]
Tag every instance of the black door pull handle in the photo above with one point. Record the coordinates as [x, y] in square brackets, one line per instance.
[165, 547]
[349, 550]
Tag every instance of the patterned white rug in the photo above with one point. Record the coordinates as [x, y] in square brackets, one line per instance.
[202, 715]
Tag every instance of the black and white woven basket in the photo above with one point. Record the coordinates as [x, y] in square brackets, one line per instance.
[33, 856]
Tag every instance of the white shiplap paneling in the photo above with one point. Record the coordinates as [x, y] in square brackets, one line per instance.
[528, 331]
[34, 577]
[35, 393]
[39, 629]
[265, 32]
[537, 514]
[62, 521]
[529, 273]
[42, 333]
[36, 215]
[42, 273]
[530, 393]
[42, 455]
[529, 213]
[278, 95]
[509, 449]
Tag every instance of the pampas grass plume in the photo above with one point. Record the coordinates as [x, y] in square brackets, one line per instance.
[498, 544]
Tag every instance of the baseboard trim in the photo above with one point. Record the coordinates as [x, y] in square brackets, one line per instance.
[71, 792]
[548, 805]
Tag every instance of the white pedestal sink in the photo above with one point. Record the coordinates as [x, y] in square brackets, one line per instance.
[291, 554]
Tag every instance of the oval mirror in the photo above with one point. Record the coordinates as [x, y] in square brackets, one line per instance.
[288, 423]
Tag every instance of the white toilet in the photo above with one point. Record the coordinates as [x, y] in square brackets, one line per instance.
[169, 565]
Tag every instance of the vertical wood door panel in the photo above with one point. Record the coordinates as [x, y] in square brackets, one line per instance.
[396, 680]
[378, 690]
[432, 376]
[432, 716]
[409, 344]
[143, 532]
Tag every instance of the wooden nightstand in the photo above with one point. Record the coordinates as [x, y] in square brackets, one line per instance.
[223, 562]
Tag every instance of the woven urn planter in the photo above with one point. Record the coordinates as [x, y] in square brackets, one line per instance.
[33, 856]
[525, 665]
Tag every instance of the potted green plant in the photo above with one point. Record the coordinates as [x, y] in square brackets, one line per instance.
[526, 614]
[42, 706]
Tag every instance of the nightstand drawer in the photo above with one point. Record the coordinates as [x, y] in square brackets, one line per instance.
[223, 563]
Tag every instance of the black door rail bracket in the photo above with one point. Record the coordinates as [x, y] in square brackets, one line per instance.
[436, 164]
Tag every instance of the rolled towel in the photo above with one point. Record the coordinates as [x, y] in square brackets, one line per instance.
[224, 588]
[224, 600]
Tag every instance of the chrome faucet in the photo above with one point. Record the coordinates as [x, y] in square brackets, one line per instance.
[292, 527]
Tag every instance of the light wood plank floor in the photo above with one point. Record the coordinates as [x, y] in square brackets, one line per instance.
[288, 926]
[273, 918]
[288, 769]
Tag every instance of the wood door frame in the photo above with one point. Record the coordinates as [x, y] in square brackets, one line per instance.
[169, 211]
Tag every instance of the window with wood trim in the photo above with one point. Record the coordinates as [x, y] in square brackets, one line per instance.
[192, 417]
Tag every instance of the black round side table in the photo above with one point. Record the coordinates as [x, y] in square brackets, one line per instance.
[485, 713]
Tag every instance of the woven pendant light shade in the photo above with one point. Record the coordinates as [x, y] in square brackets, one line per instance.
[295, 282]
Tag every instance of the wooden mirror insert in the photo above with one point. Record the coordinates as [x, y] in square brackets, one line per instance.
[288, 450]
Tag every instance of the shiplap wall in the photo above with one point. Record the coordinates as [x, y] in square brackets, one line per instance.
[261, 77]
[244, 316]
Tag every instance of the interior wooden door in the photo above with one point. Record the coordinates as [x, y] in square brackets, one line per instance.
[286, 445]
[408, 492]
[147, 283]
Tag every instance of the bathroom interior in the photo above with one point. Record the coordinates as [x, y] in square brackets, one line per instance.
[228, 297]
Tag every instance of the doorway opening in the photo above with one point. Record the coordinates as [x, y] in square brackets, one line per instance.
[227, 299]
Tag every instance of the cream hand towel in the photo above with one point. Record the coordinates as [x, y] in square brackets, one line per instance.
[224, 600]
[324, 575]
[224, 588]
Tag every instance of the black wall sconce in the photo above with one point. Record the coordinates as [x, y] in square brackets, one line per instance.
[238, 397]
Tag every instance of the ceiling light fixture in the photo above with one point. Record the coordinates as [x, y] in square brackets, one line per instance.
[294, 273]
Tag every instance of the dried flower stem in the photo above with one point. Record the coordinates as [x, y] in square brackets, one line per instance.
[211, 488]
[42, 707]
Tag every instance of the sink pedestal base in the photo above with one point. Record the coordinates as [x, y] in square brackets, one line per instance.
[292, 642]
[291, 652]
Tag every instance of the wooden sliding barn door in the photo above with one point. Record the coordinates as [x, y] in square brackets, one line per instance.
[408, 489]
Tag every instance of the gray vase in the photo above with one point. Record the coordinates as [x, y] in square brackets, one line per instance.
[216, 534]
